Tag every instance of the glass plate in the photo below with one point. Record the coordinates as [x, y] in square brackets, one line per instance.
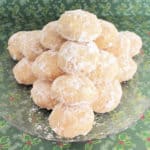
[16, 105]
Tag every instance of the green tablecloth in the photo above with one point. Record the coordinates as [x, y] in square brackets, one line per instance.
[13, 16]
[136, 137]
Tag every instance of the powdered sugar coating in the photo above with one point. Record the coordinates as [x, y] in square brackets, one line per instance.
[30, 44]
[78, 58]
[79, 25]
[136, 42]
[107, 68]
[40, 94]
[70, 121]
[50, 39]
[23, 73]
[72, 89]
[127, 68]
[122, 47]
[109, 96]
[109, 35]
[45, 66]
[14, 45]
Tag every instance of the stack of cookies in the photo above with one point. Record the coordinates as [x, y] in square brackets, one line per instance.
[76, 65]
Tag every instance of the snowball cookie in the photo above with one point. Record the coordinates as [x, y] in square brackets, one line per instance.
[78, 58]
[45, 66]
[109, 35]
[124, 45]
[136, 42]
[72, 89]
[50, 39]
[128, 68]
[14, 43]
[23, 73]
[30, 44]
[40, 94]
[122, 48]
[79, 25]
[109, 96]
[71, 121]
[107, 68]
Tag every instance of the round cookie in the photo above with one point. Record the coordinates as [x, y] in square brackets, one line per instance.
[72, 89]
[23, 73]
[136, 42]
[122, 48]
[78, 58]
[30, 44]
[109, 36]
[50, 39]
[40, 94]
[14, 46]
[79, 25]
[71, 121]
[128, 68]
[45, 66]
[107, 68]
[109, 96]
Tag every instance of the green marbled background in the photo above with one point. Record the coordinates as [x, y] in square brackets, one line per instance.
[133, 15]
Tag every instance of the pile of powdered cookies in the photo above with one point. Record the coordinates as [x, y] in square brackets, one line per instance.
[76, 65]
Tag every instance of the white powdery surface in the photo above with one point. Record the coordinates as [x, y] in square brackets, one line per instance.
[78, 57]
[82, 26]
